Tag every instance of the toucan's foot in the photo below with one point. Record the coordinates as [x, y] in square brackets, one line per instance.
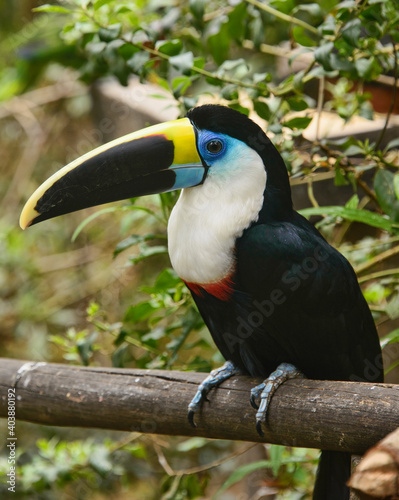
[266, 389]
[215, 378]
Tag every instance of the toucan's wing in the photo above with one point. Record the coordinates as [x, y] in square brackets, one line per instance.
[312, 304]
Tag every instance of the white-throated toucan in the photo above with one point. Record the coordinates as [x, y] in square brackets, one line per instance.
[278, 300]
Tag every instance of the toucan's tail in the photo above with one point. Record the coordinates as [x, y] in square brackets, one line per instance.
[332, 474]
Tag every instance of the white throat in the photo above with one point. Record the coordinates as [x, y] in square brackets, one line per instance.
[207, 219]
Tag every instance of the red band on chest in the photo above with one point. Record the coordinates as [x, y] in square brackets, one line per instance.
[222, 289]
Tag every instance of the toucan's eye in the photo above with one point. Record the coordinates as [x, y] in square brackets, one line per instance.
[214, 146]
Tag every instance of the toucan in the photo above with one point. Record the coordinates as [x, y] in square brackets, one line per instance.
[278, 300]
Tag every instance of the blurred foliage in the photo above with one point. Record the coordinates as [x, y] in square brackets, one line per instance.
[108, 296]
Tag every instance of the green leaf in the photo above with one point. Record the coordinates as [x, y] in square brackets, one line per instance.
[92, 309]
[364, 67]
[390, 338]
[214, 81]
[339, 178]
[85, 348]
[375, 293]
[199, 62]
[356, 215]
[391, 367]
[183, 62]
[180, 84]
[146, 251]
[237, 106]
[123, 9]
[323, 55]
[139, 312]
[354, 150]
[52, 8]
[392, 308]
[313, 9]
[240, 473]
[197, 8]
[346, 5]
[230, 92]
[342, 64]
[351, 32]
[219, 42]
[167, 280]
[134, 239]
[300, 122]
[192, 444]
[99, 3]
[384, 188]
[285, 6]
[138, 60]
[169, 47]
[262, 78]
[127, 50]
[96, 48]
[237, 21]
[328, 27]
[257, 30]
[276, 457]
[297, 103]
[392, 144]
[110, 33]
[302, 37]
[121, 355]
[238, 68]
[262, 109]
[353, 202]
[297, 81]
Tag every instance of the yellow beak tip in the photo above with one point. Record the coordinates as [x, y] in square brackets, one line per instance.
[23, 225]
[26, 218]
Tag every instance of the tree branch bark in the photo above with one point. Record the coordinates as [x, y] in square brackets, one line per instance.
[345, 416]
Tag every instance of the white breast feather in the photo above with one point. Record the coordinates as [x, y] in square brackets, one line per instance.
[207, 219]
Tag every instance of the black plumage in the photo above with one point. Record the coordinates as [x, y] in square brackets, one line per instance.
[295, 299]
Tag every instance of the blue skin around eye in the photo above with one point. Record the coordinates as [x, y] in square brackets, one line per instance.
[204, 138]
[225, 162]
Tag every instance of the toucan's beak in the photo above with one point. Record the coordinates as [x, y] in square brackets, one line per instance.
[154, 160]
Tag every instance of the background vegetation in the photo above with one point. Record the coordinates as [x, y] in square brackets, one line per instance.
[97, 288]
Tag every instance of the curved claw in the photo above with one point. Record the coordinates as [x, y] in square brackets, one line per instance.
[259, 428]
[255, 394]
[254, 404]
[190, 418]
[214, 379]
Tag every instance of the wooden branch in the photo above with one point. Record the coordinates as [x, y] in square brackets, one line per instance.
[346, 416]
[377, 475]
